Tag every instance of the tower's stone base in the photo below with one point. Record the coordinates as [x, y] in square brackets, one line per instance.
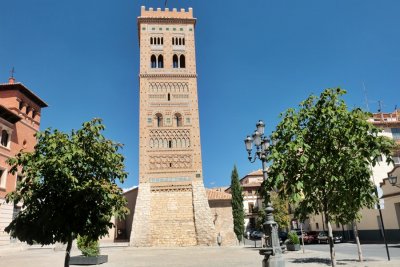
[172, 215]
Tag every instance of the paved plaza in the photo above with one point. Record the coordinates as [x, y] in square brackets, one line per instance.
[123, 256]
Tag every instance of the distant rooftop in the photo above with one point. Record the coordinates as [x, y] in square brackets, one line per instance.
[383, 118]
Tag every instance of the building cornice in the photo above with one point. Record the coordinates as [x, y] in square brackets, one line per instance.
[166, 20]
[159, 75]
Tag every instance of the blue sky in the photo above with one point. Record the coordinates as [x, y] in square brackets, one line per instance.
[255, 59]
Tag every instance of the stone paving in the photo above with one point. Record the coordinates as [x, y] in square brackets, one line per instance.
[178, 257]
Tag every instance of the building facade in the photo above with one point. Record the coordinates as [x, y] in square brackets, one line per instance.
[171, 207]
[20, 113]
[252, 201]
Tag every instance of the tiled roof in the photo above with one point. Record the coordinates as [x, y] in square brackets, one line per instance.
[216, 195]
[254, 173]
[24, 90]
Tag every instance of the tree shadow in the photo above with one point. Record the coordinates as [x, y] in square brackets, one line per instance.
[325, 261]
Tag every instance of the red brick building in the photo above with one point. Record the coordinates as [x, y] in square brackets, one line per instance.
[20, 113]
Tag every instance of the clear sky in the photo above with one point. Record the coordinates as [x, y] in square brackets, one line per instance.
[255, 59]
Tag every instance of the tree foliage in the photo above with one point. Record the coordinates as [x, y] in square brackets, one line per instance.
[69, 186]
[321, 157]
[237, 204]
[281, 210]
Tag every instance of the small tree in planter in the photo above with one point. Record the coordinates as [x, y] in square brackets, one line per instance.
[293, 242]
[90, 252]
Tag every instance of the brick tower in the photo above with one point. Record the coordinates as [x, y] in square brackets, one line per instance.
[172, 207]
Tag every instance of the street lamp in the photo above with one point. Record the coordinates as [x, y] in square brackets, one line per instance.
[393, 180]
[272, 248]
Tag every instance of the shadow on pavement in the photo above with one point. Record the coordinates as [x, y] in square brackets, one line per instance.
[327, 262]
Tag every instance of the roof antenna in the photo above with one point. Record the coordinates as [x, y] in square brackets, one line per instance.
[12, 79]
[366, 98]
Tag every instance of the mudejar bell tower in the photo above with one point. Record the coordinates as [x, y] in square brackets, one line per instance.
[172, 207]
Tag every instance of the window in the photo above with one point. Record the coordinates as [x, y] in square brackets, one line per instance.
[396, 133]
[28, 109]
[151, 40]
[169, 144]
[182, 61]
[19, 179]
[34, 113]
[173, 41]
[162, 40]
[21, 105]
[183, 41]
[169, 96]
[175, 61]
[178, 120]
[153, 61]
[4, 138]
[159, 119]
[3, 177]
[160, 61]
[251, 207]
[317, 226]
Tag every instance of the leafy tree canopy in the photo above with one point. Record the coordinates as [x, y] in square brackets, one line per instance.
[69, 186]
[322, 154]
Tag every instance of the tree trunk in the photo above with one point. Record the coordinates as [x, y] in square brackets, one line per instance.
[68, 252]
[355, 229]
[330, 238]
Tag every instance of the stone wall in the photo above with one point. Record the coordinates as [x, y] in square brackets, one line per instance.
[139, 236]
[205, 229]
[223, 220]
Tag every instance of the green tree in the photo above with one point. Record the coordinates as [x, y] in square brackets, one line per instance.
[281, 209]
[237, 204]
[321, 158]
[69, 187]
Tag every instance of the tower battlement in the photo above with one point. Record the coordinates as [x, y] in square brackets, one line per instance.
[166, 13]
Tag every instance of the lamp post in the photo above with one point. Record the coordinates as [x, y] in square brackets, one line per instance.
[272, 252]
[393, 181]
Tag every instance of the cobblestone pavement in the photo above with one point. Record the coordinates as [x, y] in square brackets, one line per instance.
[177, 257]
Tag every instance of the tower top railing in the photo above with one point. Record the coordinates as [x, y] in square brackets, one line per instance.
[166, 13]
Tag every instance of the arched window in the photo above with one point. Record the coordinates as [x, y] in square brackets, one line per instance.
[162, 40]
[180, 41]
[160, 61]
[153, 61]
[178, 119]
[169, 96]
[173, 41]
[159, 120]
[176, 40]
[182, 61]
[151, 40]
[175, 61]
[4, 138]
[183, 41]
[158, 41]
[169, 144]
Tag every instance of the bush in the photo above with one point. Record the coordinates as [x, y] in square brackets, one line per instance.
[88, 247]
[293, 238]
